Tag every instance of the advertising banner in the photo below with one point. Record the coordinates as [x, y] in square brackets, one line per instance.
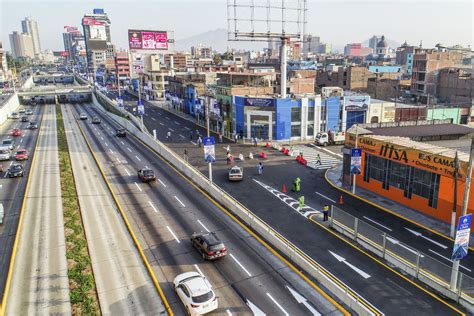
[147, 40]
[98, 32]
[356, 102]
[259, 102]
[461, 244]
[209, 149]
[356, 160]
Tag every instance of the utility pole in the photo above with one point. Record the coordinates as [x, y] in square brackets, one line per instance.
[467, 188]
[207, 127]
[455, 196]
[354, 177]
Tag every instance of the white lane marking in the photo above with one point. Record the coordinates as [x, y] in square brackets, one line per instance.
[21, 140]
[279, 306]
[255, 310]
[179, 201]
[176, 238]
[193, 143]
[162, 183]
[447, 259]
[397, 242]
[371, 220]
[154, 119]
[111, 151]
[129, 149]
[302, 300]
[180, 135]
[187, 128]
[330, 152]
[228, 312]
[199, 270]
[146, 167]
[118, 159]
[322, 195]
[138, 186]
[102, 138]
[153, 207]
[122, 142]
[353, 267]
[128, 173]
[238, 262]
[138, 158]
[203, 225]
[171, 129]
[167, 118]
[106, 144]
[162, 124]
[418, 234]
[177, 123]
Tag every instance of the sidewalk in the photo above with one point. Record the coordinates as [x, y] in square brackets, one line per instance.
[333, 176]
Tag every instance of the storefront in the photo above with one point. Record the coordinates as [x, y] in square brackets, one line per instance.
[418, 175]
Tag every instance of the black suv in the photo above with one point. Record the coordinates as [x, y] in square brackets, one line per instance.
[209, 245]
[146, 175]
[24, 118]
[120, 132]
[16, 170]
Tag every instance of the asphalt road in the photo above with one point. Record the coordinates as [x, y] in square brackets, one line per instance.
[39, 283]
[167, 212]
[386, 290]
[13, 190]
[123, 284]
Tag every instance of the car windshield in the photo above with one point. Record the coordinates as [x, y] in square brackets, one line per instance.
[4, 151]
[21, 152]
[7, 141]
[235, 171]
[16, 167]
[32, 123]
[148, 172]
[202, 298]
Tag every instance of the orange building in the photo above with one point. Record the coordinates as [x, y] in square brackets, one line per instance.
[418, 175]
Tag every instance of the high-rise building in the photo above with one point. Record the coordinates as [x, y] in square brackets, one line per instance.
[311, 44]
[71, 38]
[21, 45]
[3, 65]
[122, 65]
[30, 27]
[96, 27]
[373, 42]
[353, 49]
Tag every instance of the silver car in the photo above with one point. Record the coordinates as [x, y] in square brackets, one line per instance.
[236, 173]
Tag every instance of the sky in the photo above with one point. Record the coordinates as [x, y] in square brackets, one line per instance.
[336, 21]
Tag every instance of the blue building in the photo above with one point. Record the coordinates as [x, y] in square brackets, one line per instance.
[385, 68]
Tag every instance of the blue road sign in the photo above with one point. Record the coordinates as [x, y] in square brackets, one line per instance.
[209, 149]
[356, 160]
[208, 141]
[461, 243]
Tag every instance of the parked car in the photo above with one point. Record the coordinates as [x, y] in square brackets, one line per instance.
[22, 111]
[83, 116]
[24, 118]
[95, 120]
[146, 175]
[195, 292]
[15, 116]
[16, 132]
[5, 153]
[21, 154]
[236, 173]
[120, 132]
[29, 112]
[32, 125]
[209, 245]
[16, 170]
[8, 142]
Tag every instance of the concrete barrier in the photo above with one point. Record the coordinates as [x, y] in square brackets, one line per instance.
[13, 103]
[347, 295]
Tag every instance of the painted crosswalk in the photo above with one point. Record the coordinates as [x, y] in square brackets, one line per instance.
[306, 211]
[311, 153]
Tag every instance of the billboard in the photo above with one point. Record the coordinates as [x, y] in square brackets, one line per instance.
[356, 102]
[148, 40]
[98, 32]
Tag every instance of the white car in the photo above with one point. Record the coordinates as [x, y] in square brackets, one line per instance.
[15, 116]
[5, 153]
[83, 116]
[195, 292]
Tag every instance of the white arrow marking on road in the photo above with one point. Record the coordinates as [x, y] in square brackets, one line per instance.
[255, 310]
[397, 242]
[376, 223]
[343, 260]
[162, 124]
[302, 300]
[418, 234]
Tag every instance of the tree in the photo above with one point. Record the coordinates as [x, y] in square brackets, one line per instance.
[216, 59]
[228, 55]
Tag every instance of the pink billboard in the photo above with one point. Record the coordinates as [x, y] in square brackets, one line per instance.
[147, 40]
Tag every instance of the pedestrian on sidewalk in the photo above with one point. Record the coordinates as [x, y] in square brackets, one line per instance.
[325, 212]
[227, 149]
[220, 138]
[255, 141]
[168, 135]
[228, 158]
[318, 159]
[260, 167]
[199, 141]
[185, 155]
[236, 138]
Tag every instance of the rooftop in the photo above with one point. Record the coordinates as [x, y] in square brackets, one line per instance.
[420, 131]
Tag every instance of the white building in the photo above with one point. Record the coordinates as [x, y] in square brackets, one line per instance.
[21, 45]
[30, 27]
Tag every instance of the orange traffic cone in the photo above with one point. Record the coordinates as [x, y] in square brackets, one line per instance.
[340, 200]
[284, 188]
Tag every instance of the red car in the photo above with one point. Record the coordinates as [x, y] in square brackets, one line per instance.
[16, 132]
[21, 154]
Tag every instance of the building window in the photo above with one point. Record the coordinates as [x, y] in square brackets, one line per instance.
[367, 167]
[295, 115]
[421, 183]
[310, 131]
[310, 114]
[398, 175]
[377, 168]
[296, 131]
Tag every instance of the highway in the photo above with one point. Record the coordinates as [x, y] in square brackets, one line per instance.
[39, 283]
[13, 190]
[123, 284]
[164, 214]
[390, 292]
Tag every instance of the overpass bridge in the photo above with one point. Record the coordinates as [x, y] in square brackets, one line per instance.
[50, 94]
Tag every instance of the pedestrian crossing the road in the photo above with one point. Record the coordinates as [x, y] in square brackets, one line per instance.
[311, 153]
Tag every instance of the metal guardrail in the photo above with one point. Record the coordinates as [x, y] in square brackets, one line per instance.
[420, 265]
